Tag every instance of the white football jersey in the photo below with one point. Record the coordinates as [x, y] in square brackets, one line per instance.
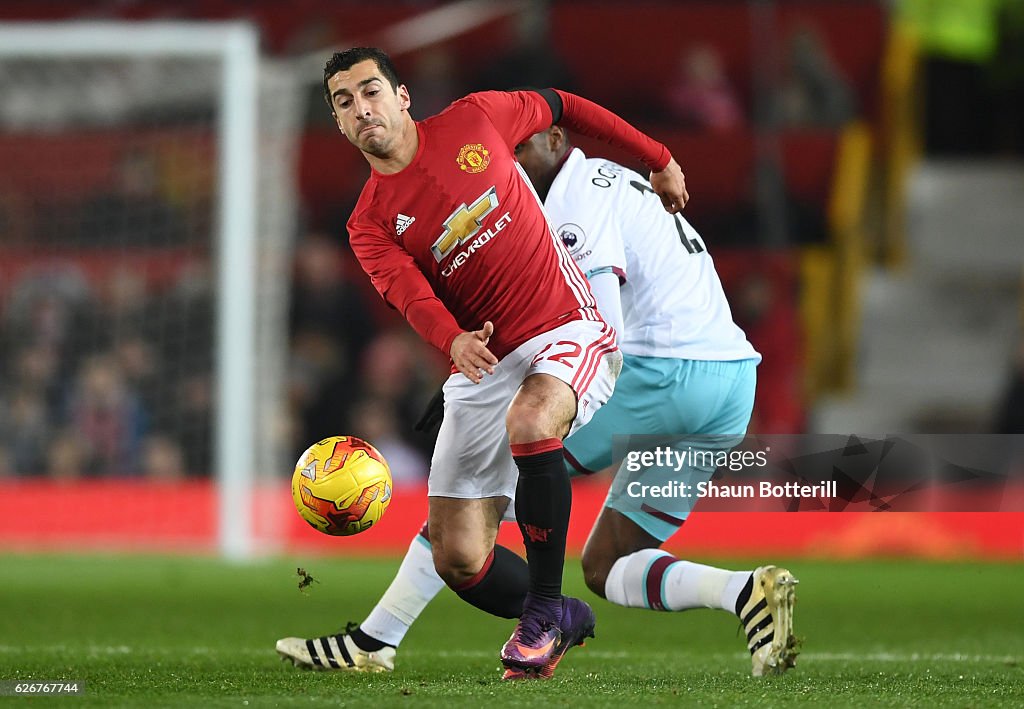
[672, 300]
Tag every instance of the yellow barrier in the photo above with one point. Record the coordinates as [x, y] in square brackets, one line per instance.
[899, 140]
[831, 275]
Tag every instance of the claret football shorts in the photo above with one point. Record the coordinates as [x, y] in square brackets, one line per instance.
[472, 458]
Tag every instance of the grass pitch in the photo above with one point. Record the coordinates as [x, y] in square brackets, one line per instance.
[177, 631]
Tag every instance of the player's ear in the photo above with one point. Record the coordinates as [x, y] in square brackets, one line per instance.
[556, 136]
[404, 101]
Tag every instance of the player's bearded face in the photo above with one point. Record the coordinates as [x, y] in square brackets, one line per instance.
[367, 109]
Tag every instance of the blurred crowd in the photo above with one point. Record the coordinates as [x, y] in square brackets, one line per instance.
[106, 325]
[105, 378]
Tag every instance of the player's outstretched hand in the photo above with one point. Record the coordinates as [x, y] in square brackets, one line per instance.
[670, 186]
[470, 354]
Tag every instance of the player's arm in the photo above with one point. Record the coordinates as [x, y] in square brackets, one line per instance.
[403, 286]
[519, 114]
[602, 256]
[588, 118]
[604, 284]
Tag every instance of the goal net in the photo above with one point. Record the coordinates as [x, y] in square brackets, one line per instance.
[147, 209]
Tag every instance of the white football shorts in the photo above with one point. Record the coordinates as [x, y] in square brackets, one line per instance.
[472, 458]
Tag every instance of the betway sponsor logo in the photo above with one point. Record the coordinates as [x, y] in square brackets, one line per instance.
[460, 258]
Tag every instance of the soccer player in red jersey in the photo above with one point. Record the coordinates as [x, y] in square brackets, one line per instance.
[452, 235]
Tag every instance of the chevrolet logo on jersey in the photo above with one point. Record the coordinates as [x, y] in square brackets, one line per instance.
[464, 223]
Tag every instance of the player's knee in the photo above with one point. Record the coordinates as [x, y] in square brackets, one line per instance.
[544, 407]
[528, 422]
[457, 565]
[523, 428]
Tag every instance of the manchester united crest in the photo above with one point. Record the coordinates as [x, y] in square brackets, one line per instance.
[473, 158]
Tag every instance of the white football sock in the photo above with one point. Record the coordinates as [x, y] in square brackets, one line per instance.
[652, 578]
[413, 587]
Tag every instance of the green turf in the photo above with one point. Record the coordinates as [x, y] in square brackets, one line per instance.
[169, 631]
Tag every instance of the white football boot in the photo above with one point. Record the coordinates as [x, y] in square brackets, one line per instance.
[335, 652]
[767, 619]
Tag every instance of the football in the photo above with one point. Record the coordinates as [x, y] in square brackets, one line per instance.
[341, 485]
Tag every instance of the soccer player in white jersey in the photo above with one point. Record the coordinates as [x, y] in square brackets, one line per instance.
[688, 369]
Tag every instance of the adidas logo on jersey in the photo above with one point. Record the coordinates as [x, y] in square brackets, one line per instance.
[402, 223]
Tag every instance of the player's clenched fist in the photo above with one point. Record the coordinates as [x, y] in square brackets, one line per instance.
[470, 354]
[670, 185]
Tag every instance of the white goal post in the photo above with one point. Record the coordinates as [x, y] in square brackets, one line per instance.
[234, 249]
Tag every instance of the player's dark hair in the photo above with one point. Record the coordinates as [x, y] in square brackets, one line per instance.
[342, 61]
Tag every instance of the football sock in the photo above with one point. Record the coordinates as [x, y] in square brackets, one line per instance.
[652, 578]
[413, 587]
[365, 642]
[543, 499]
[500, 586]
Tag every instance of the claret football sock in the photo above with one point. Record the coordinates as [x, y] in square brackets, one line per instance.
[543, 499]
[652, 578]
[500, 586]
[413, 587]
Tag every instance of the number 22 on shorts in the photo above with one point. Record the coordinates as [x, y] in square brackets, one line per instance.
[566, 351]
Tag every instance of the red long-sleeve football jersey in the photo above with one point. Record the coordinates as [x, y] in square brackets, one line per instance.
[458, 236]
